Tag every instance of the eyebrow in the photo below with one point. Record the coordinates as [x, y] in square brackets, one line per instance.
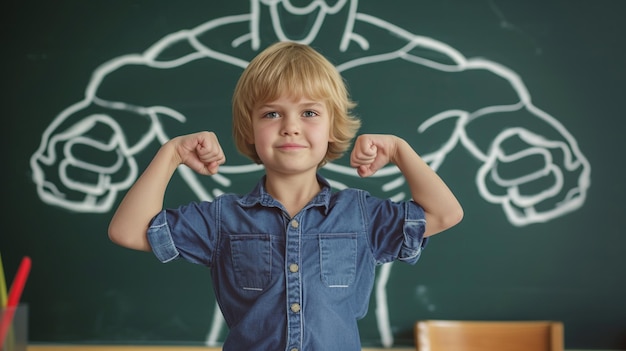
[304, 104]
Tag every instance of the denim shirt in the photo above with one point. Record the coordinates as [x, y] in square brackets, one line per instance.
[286, 283]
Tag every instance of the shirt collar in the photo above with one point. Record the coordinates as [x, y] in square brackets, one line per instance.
[259, 195]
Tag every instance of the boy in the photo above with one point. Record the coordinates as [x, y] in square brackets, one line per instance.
[292, 263]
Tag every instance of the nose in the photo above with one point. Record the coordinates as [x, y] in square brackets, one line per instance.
[290, 126]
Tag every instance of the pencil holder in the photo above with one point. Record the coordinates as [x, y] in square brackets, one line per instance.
[16, 327]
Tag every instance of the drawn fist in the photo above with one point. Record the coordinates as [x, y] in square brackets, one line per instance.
[532, 178]
[83, 166]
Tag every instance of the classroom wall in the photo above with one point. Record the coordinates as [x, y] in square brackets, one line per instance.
[517, 105]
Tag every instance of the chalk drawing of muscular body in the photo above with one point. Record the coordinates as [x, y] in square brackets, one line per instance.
[529, 164]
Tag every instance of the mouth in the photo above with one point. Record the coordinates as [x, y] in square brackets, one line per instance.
[297, 23]
[290, 147]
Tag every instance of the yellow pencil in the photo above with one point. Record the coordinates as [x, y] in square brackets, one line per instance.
[3, 286]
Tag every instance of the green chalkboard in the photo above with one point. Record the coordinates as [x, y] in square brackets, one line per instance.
[517, 105]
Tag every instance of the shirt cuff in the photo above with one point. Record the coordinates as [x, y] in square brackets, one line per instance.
[413, 229]
[161, 240]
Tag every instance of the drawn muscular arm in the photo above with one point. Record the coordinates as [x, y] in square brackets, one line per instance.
[529, 163]
[87, 154]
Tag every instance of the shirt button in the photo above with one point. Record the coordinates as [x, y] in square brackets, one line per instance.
[293, 268]
[295, 307]
[294, 349]
[294, 223]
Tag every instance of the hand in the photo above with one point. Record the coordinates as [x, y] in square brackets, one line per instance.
[200, 151]
[371, 152]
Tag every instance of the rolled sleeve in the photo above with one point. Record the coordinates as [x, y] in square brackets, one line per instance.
[413, 229]
[161, 240]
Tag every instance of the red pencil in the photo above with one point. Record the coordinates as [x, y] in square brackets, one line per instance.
[15, 293]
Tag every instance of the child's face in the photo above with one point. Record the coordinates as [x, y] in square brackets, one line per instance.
[291, 135]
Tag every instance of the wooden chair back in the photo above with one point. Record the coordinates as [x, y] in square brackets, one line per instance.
[439, 335]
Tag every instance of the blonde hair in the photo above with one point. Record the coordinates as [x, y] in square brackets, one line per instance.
[300, 71]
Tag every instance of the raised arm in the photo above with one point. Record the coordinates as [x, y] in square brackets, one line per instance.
[200, 151]
[373, 151]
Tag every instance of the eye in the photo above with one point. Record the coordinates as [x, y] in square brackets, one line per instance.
[309, 114]
[271, 115]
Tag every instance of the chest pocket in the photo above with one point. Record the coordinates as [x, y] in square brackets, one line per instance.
[252, 260]
[338, 253]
